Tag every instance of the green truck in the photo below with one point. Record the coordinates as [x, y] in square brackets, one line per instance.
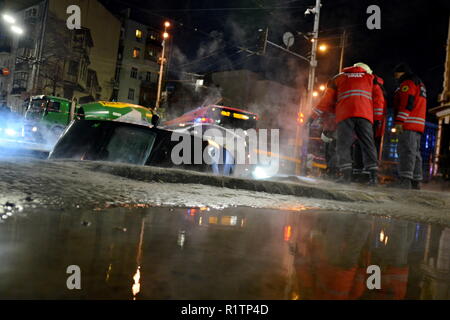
[47, 116]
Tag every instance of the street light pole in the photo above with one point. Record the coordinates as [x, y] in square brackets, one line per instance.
[313, 62]
[39, 49]
[341, 60]
[311, 80]
[161, 68]
[158, 94]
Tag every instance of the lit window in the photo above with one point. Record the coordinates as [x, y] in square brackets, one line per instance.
[136, 53]
[138, 34]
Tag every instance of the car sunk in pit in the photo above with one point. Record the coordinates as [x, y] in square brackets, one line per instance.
[232, 142]
[125, 142]
[228, 128]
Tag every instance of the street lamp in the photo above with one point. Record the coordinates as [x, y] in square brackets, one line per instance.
[16, 29]
[323, 47]
[11, 21]
[165, 36]
[8, 18]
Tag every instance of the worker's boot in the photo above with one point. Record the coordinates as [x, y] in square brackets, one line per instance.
[373, 178]
[358, 176]
[415, 184]
[346, 176]
[402, 183]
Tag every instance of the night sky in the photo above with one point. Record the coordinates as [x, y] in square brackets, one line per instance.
[207, 35]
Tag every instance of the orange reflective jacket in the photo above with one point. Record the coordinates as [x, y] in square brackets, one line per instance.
[352, 93]
[410, 104]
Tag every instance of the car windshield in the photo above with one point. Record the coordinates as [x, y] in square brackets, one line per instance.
[106, 141]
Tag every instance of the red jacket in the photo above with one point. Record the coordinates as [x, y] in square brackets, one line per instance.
[379, 103]
[410, 104]
[355, 94]
[380, 107]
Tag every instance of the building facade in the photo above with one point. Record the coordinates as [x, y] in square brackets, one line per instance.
[138, 61]
[442, 112]
[48, 58]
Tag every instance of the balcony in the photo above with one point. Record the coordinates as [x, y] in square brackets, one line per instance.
[75, 82]
[22, 66]
[5, 48]
[26, 43]
[31, 20]
[79, 48]
[18, 90]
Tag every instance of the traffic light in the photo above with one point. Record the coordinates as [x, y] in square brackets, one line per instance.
[300, 118]
[4, 72]
[262, 41]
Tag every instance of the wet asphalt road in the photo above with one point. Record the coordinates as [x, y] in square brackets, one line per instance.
[236, 253]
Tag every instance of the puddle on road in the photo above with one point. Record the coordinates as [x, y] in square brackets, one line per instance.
[236, 253]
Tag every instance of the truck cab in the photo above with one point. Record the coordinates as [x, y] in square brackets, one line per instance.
[46, 117]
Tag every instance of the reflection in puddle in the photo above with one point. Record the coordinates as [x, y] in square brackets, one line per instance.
[236, 253]
[136, 285]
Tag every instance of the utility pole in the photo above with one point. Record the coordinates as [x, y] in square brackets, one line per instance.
[341, 60]
[261, 48]
[39, 49]
[158, 94]
[311, 80]
[161, 68]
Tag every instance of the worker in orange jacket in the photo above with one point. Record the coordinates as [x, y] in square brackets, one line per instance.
[353, 95]
[410, 105]
[379, 116]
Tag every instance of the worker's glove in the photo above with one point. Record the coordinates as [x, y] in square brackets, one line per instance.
[326, 137]
[398, 128]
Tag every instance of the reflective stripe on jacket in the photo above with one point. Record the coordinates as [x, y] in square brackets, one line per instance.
[410, 104]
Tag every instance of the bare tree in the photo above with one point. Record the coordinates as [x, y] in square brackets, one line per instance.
[56, 50]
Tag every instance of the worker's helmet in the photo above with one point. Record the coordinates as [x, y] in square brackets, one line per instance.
[364, 66]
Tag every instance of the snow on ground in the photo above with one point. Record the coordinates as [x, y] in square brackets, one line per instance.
[74, 184]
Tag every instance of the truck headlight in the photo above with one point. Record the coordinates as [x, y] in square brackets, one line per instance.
[10, 132]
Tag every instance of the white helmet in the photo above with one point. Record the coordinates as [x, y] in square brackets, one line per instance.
[364, 66]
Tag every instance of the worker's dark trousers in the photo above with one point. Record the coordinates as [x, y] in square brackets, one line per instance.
[410, 160]
[363, 129]
[330, 156]
[358, 165]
